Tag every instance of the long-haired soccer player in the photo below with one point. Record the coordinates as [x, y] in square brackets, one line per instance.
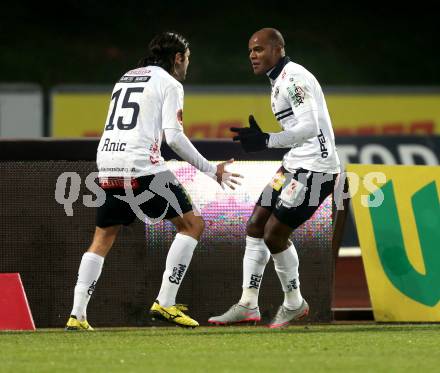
[147, 103]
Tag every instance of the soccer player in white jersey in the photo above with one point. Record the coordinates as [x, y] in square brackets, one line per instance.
[147, 103]
[307, 176]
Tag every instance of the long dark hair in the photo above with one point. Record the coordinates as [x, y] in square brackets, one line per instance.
[162, 50]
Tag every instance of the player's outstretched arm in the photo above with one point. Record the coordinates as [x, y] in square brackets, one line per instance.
[181, 145]
[253, 139]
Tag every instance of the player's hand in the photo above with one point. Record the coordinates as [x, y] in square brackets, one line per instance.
[225, 177]
[252, 138]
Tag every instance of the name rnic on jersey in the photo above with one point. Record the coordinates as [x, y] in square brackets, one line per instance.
[113, 146]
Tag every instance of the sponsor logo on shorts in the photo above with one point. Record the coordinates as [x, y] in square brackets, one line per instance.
[277, 181]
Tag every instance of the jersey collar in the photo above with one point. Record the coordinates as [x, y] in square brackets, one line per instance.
[275, 71]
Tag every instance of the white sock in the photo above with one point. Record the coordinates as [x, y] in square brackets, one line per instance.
[286, 266]
[255, 259]
[178, 259]
[88, 275]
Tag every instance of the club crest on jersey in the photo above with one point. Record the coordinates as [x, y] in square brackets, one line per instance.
[180, 116]
[296, 94]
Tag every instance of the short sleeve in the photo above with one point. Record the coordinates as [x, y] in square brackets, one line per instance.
[172, 109]
[299, 92]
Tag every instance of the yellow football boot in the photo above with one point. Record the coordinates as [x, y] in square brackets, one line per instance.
[75, 324]
[173, 314]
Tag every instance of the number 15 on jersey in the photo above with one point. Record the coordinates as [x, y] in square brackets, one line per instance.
[129, 103]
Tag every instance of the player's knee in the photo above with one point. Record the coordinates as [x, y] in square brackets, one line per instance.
[193, 225]
[100, 248]
[274, 241]
[254, 228]
[103, 240]
[270, 241]
[199, 225]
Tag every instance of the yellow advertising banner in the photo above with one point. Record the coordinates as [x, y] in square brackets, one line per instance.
[397, 214]
[209, 115]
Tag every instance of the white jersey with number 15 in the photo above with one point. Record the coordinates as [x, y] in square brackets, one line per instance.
[143, 103]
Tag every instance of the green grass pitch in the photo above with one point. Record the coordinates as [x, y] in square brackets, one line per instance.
[304, 348]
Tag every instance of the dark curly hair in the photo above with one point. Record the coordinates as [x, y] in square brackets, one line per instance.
[162, 50]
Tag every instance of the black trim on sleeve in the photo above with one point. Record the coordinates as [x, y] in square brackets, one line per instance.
[283, 111]
[285, 116]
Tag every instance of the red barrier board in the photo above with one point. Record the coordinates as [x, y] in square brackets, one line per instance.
[15, 313]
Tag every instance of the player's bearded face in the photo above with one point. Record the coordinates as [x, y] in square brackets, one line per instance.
[181, 65]
[263, 56]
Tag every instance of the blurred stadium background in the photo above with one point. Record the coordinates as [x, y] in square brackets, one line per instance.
[379, 69]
